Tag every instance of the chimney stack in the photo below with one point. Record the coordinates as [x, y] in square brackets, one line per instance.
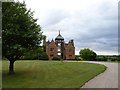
[72, 41]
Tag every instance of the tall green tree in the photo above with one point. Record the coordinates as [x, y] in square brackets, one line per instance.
[87, 54]
[20, 31]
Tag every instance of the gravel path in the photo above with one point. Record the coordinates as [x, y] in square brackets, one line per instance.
[107, 79]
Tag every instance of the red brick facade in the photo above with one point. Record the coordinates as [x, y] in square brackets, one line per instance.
[60, 48]
[51, 49]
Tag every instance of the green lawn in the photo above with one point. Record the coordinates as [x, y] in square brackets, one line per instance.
[49, 74]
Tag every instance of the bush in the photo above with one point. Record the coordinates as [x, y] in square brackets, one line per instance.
[119, 58]
[43, 56]
[39, 56]
[56, 58]
[78, 58]
[102, 58]
[114, 58]
[3, 58]
[71, 59]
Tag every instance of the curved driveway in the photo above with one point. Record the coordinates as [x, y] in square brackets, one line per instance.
[107, 79]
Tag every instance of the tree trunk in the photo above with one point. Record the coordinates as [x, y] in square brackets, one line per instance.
[11, 67]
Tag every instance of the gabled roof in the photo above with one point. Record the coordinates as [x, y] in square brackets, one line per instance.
[52, 43]
[65, 45]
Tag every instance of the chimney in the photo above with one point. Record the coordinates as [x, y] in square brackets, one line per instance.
[44, 40]
[72, 41]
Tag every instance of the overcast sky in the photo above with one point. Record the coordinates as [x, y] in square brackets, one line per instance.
[91, 23]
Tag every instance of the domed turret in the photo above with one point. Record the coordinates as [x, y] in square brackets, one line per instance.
[59, 37]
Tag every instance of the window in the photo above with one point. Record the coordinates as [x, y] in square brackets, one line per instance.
[70, 55]
[59, 49]
[51, 49]
[59, 44]
[70, 50]
[59, 53]
[51, 55]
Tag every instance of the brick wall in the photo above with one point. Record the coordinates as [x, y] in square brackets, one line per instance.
[53, 46]
[70, 51]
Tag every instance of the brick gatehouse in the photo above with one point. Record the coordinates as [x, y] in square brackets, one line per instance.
[58, 47]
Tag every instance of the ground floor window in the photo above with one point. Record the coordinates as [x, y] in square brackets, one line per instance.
[59, 53]
[51, 55]
[70, 55]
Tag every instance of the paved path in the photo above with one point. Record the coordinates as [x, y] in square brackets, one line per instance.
[107, 79]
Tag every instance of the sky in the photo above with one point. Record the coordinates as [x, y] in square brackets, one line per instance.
[91, 24]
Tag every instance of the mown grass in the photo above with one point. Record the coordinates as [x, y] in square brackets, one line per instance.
[49, 74]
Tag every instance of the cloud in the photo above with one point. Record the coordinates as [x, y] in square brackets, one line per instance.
[91, 23]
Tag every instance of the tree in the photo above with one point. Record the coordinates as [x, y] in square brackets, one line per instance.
[36, 54]
[20, 32]
[87, 54]
[102, 58]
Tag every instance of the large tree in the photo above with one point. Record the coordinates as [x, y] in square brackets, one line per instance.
[87, 54]
[20, 32]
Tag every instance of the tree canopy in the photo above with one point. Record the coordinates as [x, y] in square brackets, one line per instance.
[20, 31]
[87, 54]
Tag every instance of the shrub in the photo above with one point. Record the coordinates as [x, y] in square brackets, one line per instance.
[118, 58]
[114, 58]
[71, 59]
[35, 56]
[102, 58]
[78, 58]
[43, 56]
[3, 58]
[56, 58]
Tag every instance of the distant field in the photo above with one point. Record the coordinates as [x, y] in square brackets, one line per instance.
[49, 74]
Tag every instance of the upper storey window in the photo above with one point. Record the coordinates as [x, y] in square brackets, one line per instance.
[59, 49]
[51, 49]
[59, 44]
[70, 50]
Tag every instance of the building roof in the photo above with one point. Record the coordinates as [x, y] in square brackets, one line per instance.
[59, 37]
[66, 44]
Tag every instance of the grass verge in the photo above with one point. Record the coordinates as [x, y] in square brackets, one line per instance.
[49, 74]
